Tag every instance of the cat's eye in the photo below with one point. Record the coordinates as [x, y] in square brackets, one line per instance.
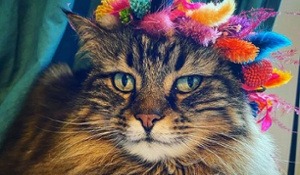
[188, 83]
[123, 82]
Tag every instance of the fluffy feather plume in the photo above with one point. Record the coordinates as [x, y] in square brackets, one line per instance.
[278, 78]
[235, 26]
[286, 57]
[283, 55]
[265, 106]
[254, 18]
[158, 23]
[267, 103]
[200, 33]
[236, 50]
[140, 7]
[213, 15]
[103, 9]
[268, 42]
[110, 7]
[125, 16]
[185, 5]
[119, 5]
[257, 74]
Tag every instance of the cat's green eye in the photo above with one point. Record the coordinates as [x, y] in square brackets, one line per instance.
[188, 83]
[123, 82]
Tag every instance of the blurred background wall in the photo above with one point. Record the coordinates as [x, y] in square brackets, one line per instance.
[288, 25]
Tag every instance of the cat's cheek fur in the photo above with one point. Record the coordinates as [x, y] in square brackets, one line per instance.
[263, 158]
[135, 131]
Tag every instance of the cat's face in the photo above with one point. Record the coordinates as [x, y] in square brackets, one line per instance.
[157, 98]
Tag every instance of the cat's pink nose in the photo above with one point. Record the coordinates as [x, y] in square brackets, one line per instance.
[147, 120]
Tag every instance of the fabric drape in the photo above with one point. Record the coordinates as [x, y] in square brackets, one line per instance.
[30, 33]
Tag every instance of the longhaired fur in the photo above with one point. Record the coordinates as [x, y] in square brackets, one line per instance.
[76, 121]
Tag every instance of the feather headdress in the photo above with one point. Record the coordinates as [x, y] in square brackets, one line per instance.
[213, 25]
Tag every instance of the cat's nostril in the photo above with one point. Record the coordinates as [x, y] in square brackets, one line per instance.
[147, 120]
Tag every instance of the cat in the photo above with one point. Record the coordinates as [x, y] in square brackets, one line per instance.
[138, 104]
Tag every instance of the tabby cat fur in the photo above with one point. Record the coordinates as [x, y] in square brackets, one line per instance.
[80, 121]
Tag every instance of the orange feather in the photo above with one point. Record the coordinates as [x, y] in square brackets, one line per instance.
[213, 15]
[236, 50]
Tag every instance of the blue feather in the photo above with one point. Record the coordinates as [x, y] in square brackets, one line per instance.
[254, 108]
[268, 42]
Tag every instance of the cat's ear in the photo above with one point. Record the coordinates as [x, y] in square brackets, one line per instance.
[84, 27]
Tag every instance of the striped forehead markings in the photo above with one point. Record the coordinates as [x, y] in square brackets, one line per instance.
[158, 51]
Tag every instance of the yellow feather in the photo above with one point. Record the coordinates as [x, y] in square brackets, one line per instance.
[103, 9]
[213, 15]
[283, 78]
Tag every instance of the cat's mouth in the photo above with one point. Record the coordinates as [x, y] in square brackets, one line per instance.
[150, 139]
[153, 148]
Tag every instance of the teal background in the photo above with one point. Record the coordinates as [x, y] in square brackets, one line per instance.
[30, 31]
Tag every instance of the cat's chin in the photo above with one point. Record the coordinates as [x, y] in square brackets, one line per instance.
[153, 151]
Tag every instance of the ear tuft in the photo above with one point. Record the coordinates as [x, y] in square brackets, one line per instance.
[69, 15]
[77, 21]
[84, 27]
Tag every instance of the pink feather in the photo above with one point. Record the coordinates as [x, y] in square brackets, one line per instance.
[283, 126]
[203, 34]
[175, 14]
[255, 17]
[189, 5]
[286, 57]
[120, 5]
[266, 121]
[158, 23]
[268, 102]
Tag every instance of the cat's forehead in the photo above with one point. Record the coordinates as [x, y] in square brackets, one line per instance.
[136, 52]
[171, 55]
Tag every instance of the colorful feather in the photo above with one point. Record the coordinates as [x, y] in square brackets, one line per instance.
[268, 42]
[119, 5]
[108, 7]
[140, 7]
[266, 104]
[278, 78]
[286, 57]
[158, 23]
[125, 16]
[257, 74]
[103, 9]
[202, 34]
[254, 18]
[213, 15]
[235, 26]
[236, 50]
[185, 5]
